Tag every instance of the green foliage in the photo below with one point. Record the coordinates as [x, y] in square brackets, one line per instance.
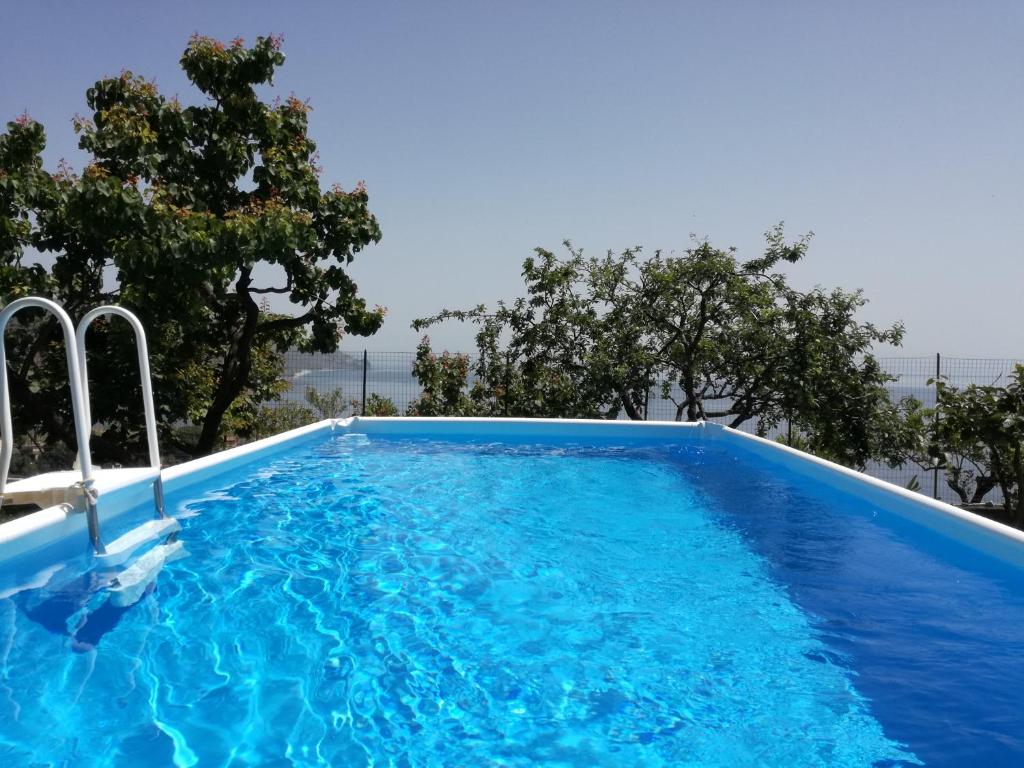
[272, 419]
[719, 338]
[376, 405]
[180, 204]
[980, 437]
[443, 379]
[328, 405]
[34, 348]
[243, 418]
[830, 385]
[24, 187]
[281, 417]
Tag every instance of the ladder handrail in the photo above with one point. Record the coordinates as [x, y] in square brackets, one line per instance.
[144, 373]
[82, 425]
[147, 387]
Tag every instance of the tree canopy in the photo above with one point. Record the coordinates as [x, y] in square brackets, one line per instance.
[718, 337]
[978, 439]
[175, 215]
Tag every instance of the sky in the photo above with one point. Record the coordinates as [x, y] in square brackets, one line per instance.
[893, 131]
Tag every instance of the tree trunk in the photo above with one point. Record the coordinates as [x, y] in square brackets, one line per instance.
[627, 405]
[236, 368]
[690, 390]
[982, 485]
[740, 419]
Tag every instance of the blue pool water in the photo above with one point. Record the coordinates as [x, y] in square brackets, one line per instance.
[405, 602]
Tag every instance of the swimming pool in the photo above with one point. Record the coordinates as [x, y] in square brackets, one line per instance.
[461, 593]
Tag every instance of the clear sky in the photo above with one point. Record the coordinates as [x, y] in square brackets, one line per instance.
[893, 130]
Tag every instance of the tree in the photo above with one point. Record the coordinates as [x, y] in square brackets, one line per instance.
[719, 338]
[443, 379]
[979, 436]
[832, 390]
[559, 359]
[183, 206]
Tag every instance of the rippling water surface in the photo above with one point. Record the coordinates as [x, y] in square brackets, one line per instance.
[419, 602]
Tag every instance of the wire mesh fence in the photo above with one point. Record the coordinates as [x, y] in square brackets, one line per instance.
[360, 375]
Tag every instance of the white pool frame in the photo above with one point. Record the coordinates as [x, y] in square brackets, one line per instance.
[40, 531]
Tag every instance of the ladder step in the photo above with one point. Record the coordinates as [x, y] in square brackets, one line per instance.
[134, 579]
[119, 550]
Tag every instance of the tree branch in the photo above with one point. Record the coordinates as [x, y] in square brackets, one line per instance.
[286, 289]
[284, 323]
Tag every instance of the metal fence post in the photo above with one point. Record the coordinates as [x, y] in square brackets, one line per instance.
[362, 407]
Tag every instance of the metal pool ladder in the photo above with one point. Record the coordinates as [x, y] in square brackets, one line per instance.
[147, 387]
[143, 570]
[120, 550]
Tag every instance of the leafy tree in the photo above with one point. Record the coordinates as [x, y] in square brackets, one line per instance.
[719, 338]
[377, 405]
[832, 390]
[963, 462]
[443, 379]
[980, 437]
[180, 205]
[556, 362]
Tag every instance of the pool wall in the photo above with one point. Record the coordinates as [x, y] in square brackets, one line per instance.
[51, 532]
[996, 539]
[64, 523]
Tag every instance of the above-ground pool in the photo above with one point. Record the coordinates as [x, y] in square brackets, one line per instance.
[414, 593]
